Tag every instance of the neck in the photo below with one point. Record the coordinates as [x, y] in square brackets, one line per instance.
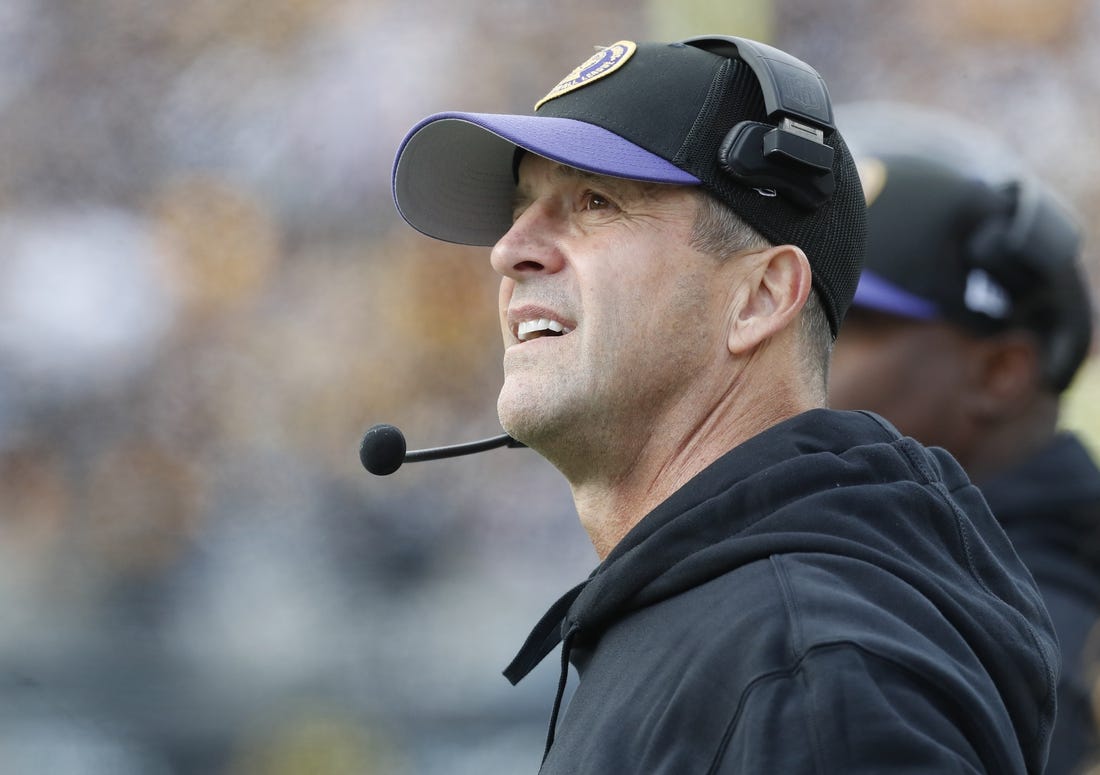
[1010, 440]
[635, 479]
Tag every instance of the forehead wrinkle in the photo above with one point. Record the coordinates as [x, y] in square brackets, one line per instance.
[564, 173]
[616, 185]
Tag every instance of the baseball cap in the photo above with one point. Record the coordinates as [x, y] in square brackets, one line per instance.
[656, 112]
[985, 255]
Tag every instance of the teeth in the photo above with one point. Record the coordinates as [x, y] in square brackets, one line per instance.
[529, 327]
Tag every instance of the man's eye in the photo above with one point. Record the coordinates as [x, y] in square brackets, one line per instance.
[596, 201]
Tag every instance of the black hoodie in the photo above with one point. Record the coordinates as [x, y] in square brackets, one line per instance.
[827, 597]
[1050, 508]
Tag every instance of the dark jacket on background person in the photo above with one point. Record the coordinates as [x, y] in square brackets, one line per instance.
[828, 597]
[1050, 508]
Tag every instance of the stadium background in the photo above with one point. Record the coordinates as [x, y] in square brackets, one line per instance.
[206, 296]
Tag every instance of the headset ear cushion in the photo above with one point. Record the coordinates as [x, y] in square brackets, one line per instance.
[742, 151]
[742, 156]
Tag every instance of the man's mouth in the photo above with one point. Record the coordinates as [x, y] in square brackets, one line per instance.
[533, 329]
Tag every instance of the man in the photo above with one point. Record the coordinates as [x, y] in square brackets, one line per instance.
[970, 320]
[783, 588]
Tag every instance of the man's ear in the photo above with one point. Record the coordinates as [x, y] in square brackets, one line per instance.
[1007, 374]
[771, 296]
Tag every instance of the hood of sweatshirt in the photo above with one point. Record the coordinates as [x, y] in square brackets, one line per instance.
[843, 483]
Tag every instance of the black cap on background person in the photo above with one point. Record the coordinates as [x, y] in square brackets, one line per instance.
[986, 256]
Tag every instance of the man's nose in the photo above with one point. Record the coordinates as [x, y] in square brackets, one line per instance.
[531, 246]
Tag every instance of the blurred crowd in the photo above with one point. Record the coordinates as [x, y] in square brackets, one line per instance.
[206, 297]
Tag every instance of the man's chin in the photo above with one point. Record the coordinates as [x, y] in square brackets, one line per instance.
[519, 422]
[526, 417]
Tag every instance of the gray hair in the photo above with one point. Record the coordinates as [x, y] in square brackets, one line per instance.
[719, 231]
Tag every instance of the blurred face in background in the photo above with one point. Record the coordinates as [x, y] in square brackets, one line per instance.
[915, 373]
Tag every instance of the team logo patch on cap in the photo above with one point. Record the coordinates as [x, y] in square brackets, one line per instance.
[603, 62]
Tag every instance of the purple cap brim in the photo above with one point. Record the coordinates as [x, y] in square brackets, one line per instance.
[878, 293]
[453, 177]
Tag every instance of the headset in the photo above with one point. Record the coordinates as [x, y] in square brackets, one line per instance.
[788, 156]
[1030, 245]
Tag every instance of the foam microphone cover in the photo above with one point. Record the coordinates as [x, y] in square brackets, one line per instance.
[382, 450]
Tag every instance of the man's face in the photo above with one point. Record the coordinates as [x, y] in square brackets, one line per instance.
[914, 373]
[609, 316]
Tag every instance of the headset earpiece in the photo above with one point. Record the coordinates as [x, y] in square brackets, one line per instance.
[1031, 247]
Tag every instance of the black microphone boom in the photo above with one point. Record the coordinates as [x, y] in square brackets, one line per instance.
[382, 450]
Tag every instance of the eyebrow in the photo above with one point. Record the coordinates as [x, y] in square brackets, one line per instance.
[616, 184]
[563, 172]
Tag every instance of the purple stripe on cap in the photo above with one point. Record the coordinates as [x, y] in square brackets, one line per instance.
[876, 292]
[452, 178]
[581, 145]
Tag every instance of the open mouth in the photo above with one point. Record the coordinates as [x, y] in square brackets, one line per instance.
[534, 329]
